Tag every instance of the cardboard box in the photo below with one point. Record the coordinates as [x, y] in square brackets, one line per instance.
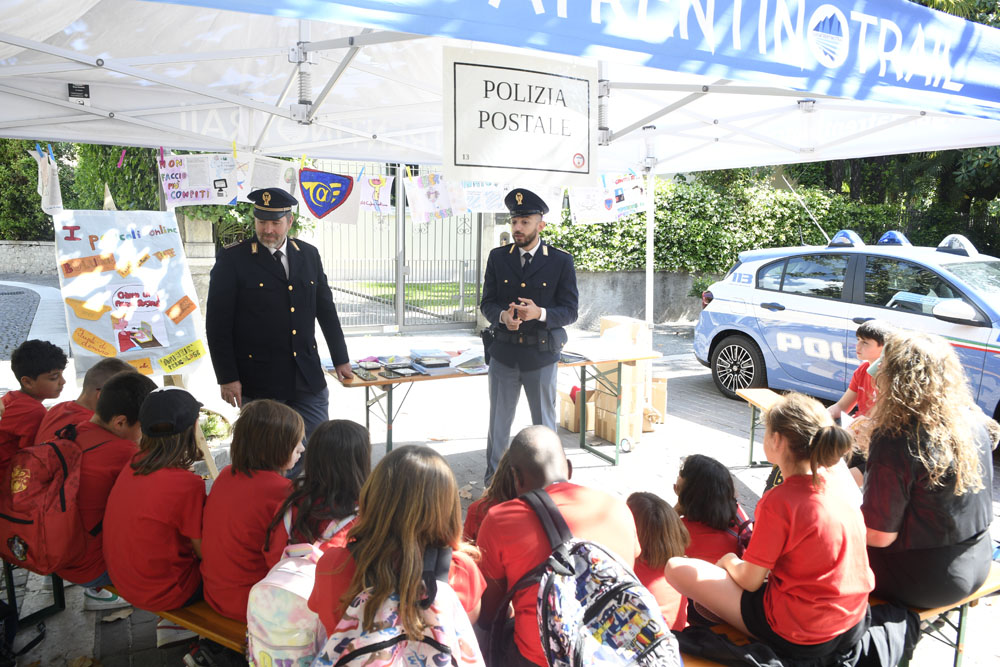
[658, 399]
[650, 417]
[634, 374]
[627, 330]
[569, 412]
[631, 400]
[631, 426]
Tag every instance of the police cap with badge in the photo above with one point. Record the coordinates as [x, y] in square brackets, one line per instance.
[272, 203]
[524, 202]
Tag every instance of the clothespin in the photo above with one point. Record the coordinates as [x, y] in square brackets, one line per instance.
[163, 162]
[361, 173]
[409, 174]
[302, 161]
[234, 149]
[604, 182]
[632, 172]
[51, 156]
[121, 160]
[38, 149]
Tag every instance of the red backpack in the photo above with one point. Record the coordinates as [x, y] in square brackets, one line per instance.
[40, 525]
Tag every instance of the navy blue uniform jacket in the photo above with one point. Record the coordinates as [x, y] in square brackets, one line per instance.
[261, 326]
[550, 282]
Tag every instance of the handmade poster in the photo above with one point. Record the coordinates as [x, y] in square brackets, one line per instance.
[48, 181]
[591, 205]
[269, 172]
[326, 194]
[427, 197]
[484, 196]
[192, 180]
[128, 291]
[628, 192]
[376, 194]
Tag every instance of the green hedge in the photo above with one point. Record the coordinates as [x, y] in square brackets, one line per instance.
[699, 230]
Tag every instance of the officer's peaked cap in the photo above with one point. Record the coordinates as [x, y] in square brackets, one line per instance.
[272, 203]
[524, 202]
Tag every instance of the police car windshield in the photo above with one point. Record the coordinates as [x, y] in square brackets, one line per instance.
[983, 276]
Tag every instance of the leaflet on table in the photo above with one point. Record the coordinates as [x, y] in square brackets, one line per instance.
[127, 290]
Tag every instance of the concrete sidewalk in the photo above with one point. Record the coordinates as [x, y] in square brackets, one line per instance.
[451, 417]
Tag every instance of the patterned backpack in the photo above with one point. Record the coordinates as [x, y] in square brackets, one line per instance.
[281, 629]
[591, 608]
[448, 638]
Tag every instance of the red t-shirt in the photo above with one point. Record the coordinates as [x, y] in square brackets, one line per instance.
[336, 568]
[673, 605]
[707, 543]
[513, 542]
[21, 416]
[99, 469]
[148, 527]
[813, 542]
[237, 513]
[474, 519]
[279, 539]
[864, 385]
[60, 415]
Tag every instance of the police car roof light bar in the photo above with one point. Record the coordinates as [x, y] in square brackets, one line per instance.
[956, 244]
[845, 238]
[893, 237]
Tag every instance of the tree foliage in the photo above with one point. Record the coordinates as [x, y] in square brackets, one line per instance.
[21, 216]
[134, 186]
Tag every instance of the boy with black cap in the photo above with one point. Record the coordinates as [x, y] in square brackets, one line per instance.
[152, 525]
[529, 296]
[108, 442]
[265, 296]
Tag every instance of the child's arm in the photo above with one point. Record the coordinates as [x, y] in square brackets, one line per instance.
[877, 538]
[845, 404]
[196, 544]
[747, 576]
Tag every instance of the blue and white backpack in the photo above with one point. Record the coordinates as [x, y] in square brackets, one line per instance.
[591, 608]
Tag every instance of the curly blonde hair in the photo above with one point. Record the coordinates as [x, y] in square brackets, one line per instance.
[923, 392]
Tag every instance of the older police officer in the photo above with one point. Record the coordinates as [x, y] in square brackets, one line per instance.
[529, 295]
[265, 296]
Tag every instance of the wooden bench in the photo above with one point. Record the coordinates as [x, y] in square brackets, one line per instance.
[957, 641]
[204, 621]
[760, 401]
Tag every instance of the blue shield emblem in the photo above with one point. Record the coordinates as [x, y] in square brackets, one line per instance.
[323, 191]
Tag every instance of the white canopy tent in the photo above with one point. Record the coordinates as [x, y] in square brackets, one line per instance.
[200, 79]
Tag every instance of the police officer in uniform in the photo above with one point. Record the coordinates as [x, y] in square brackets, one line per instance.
[265, 296]
[529, 295]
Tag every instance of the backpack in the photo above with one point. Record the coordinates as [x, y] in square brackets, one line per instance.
[591, 608]
[40, 525]
[281, 629]
[448, 638]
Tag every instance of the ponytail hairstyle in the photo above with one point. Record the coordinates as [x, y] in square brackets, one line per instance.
[662, 534]
[809, 431]
[338, 460]
[409, 503]
[706, 492]
[503, 486]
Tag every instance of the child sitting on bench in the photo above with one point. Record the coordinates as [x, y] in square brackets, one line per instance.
[662, 536]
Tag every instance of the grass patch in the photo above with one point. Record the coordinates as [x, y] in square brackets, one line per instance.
[423, 295]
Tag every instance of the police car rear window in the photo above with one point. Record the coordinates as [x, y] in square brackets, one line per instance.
[984, 277]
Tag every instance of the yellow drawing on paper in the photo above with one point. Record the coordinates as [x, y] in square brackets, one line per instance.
[183, 357]
[85, 311]
[144, 365]
[91, 341]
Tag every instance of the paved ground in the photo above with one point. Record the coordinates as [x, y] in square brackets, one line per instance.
[451, 417]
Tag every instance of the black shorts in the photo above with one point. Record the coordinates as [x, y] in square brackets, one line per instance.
[752, 610]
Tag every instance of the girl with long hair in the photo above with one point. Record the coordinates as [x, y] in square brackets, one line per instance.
[408, 505]
[662, 537]
[928, 481]
[706, 503]
[808, 542]
[501, 489]
[337, 463]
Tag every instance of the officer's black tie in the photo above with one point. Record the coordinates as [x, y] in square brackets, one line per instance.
[527, 261]
[277, 258]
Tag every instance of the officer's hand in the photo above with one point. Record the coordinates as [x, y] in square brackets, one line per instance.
[344, 371]
[232, 393]
[527, 310]
[512, 321]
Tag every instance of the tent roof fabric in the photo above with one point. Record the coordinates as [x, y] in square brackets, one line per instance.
[201, 79]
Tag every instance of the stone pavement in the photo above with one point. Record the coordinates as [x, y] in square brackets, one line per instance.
[451, 417]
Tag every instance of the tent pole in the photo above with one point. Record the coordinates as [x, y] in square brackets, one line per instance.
[649, 165]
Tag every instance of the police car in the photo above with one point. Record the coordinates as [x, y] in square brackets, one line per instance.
[786, 318]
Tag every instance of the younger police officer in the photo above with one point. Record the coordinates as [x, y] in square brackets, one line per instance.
[529, 295]
[265, 296]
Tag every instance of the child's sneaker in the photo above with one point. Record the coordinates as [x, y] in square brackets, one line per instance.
[209, 654]
[100, 599]
[168, 633]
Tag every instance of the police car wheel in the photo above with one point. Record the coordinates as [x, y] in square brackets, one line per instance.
[737, 364]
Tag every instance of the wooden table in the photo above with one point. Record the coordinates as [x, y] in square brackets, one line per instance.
[760, 400]
[383, 389]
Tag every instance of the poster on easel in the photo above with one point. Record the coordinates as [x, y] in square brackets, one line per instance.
[428, 197]
[194, 180]
[127, 290]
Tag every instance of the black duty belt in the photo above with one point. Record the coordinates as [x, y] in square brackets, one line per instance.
[516, 338]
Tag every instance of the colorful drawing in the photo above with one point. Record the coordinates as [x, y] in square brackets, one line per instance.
[85, 310]
[91, 341]
[83, 265]
[184, 307]
[322, 191]
[182, 357]
[143, 365]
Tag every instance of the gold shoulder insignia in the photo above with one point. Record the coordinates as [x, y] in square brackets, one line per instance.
[511, 251]
[253, 248]
[545, 249]
[294, 244]
[560, 249]
[231, 245]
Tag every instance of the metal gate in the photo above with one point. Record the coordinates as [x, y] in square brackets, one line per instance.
[390, 272]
